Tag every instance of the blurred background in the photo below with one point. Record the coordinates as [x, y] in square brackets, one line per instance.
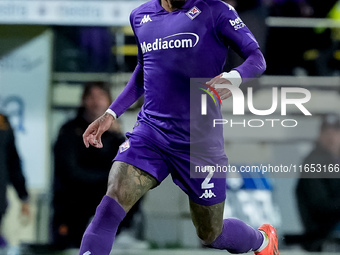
[50, 50]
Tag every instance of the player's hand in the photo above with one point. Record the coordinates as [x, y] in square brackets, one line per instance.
[224, 93]
[94, 131]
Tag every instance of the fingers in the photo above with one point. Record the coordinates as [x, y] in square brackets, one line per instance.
[93, 139]
[97, 142]
[224, 94]
[213, 81]
[92, 135]
[86, 137]
[217, 80]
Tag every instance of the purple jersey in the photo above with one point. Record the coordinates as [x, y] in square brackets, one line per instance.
[190, 42]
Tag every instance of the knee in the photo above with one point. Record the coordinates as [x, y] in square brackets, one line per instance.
[114, 192]
[127, 184]
[119, 194]
[120, 187]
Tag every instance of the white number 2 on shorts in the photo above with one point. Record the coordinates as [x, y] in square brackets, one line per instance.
[205, 183]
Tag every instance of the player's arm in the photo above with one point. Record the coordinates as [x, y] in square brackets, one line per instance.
[131, 93]
[233, 32]
[135, 87]
[253, 66]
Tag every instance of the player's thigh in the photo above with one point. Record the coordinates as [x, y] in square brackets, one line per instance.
[127, 184]
[208, 220]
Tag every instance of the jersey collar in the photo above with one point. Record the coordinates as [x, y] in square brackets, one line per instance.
[158, 6]
[188, 4]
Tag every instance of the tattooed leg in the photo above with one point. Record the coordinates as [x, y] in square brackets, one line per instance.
[230, 234]
[208, 220]
[127, 184]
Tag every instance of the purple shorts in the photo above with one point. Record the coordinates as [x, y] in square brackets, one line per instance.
[159, 161]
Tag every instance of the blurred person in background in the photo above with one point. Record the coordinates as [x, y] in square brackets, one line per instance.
[81, 174]
[319, 198]
[322, 58]
[10, 172]
[311, 48]
[286, 45]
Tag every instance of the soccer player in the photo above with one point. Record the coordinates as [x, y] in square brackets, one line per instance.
[177, 40]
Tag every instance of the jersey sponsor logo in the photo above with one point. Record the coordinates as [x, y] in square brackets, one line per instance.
[145, 19]
[124, 146]
[237, 23]
[208, 194]
[193, 12]
[175, 41]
